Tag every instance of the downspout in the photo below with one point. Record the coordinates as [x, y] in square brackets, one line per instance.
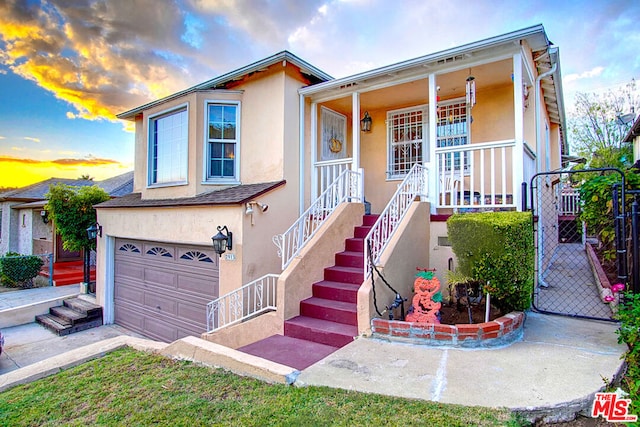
[538, 79]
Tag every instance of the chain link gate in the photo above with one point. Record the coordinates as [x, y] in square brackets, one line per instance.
[569, 278]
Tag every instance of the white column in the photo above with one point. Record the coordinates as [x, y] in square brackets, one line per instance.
[302, 169]
[517, 161]
[431, 165]
[314, 152]
[355, 108]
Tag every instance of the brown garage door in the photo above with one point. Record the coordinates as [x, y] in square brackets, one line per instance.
[162, 290]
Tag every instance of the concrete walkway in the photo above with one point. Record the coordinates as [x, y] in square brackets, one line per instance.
[550, 375]
[24, 297]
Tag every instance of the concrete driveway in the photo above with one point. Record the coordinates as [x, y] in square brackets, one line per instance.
[31, 343]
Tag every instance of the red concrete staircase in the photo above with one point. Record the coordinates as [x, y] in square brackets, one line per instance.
[67, 273]
[327, 320]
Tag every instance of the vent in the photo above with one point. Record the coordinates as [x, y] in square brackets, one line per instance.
[443, 241]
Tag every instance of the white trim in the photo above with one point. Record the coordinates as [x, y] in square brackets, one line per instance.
[517, 155]
[206, 180]
[337, 116]
[301, 166]
[109, 281]
[355, 125]
[151, 118]
[424, 108]
[432, 178]
[314, 152]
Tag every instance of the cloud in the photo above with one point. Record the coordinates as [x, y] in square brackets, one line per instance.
[30, 138]
[90, 161]
[594, 72]
[3, 137]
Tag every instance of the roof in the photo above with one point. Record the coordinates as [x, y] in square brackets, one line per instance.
[235, 195]
[306, 68]
[633, 132]
[116, 186]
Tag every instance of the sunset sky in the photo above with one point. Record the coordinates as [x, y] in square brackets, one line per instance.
[68, 67]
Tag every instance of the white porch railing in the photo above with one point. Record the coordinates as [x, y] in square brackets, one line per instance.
[476, 175]
[328, 171]
[413, 185]
[243, 303]
[346, 187]
[569, 201]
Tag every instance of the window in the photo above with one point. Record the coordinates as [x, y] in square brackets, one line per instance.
[168, 144]
[405, 139]
[453, 130]
[222, 141]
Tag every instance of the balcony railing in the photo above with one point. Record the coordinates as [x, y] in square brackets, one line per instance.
[243, 303]
[477, 175]
[413, 185]
[346, 187]
[569, 201]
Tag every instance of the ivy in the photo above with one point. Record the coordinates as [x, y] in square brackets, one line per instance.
[629, 333]
[72, 211]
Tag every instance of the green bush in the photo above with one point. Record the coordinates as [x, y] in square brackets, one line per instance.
[629, 333]
[496, 248]
[19, 270]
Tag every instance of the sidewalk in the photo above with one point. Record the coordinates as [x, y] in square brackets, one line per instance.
[24, 297]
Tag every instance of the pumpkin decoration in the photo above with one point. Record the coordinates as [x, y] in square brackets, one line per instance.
[427, 300]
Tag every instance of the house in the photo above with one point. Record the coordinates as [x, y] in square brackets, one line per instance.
[25, 226]
[633, 136]
[279, 148]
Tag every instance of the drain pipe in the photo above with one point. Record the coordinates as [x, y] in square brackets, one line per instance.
[541, 231]
[538, 132]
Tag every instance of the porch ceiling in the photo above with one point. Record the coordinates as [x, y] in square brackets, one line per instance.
[415, 92]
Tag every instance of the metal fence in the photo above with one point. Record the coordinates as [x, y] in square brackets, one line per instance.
[46, 270]
[575, 266]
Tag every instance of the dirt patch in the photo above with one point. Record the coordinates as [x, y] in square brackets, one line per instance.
[452, 314]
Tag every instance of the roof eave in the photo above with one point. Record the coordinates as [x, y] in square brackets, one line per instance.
[304, 66]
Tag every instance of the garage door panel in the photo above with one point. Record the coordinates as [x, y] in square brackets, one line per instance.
[160, 277]
[161, 290]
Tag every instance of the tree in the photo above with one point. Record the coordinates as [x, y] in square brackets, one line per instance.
[600, 123]
[72, 211]
[86, 177]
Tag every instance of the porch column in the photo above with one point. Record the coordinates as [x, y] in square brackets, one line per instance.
[432, 165]
[302, 169]
[314, 152]
[355, 129]
[517, 162]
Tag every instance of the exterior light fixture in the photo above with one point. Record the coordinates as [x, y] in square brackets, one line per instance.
[94, 231]
[365, 123]
[221, 241]
[44, 216]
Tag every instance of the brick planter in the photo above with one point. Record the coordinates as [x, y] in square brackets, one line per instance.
[499, 332]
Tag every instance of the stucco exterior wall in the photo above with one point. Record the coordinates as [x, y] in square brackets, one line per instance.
[636, 149]
[42, 234]
[439, 255]
[408, 249]
[25, 232]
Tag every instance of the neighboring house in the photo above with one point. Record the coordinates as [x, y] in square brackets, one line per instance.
[26, 228]
[633, 136]
[478, 119]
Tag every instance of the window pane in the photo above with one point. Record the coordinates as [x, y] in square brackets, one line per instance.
[228, 168]
[168, 151]
[216, 168]
[216, 151]
[222, 137]
[229, 151]
[215, 131]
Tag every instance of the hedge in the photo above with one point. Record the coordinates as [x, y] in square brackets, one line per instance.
[19, 270]
[496, 248]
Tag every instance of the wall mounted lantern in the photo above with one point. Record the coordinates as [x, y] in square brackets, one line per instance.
[365, 123]
[221, 241]
[94, 231]
[44, 216]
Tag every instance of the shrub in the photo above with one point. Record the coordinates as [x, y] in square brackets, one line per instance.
[19, 270]
[496, 248]
[629, 333]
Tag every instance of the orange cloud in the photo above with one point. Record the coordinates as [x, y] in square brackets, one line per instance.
[18, 172]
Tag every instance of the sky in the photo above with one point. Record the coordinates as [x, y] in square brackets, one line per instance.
[67, 67]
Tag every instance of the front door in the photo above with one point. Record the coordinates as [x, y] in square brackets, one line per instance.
[62, 255]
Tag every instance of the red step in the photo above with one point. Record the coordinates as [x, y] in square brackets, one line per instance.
[320, 331]
[326, 309]
[354, 244]
[361, 231]
[337, 291]
[370, 220]
[289, 351]
[344, 274]
[350, 259]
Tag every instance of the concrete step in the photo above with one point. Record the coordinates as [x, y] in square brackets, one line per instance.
[354, 244]
[350, 259]
[370, 220]
[361, 231]
[320, 331]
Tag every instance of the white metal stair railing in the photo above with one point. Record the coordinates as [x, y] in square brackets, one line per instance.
[243, 303]
[346, 187]
[413, 185]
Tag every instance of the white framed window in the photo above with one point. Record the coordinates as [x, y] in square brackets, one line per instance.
[334, 134]
[168, 147]
[406, 135]
[452, 129]
[222, 136]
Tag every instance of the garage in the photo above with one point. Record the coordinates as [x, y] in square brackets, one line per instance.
[162, 290]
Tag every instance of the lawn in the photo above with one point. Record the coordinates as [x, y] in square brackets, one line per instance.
[127, 387]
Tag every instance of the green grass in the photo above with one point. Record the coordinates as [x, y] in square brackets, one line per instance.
[133, 388]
